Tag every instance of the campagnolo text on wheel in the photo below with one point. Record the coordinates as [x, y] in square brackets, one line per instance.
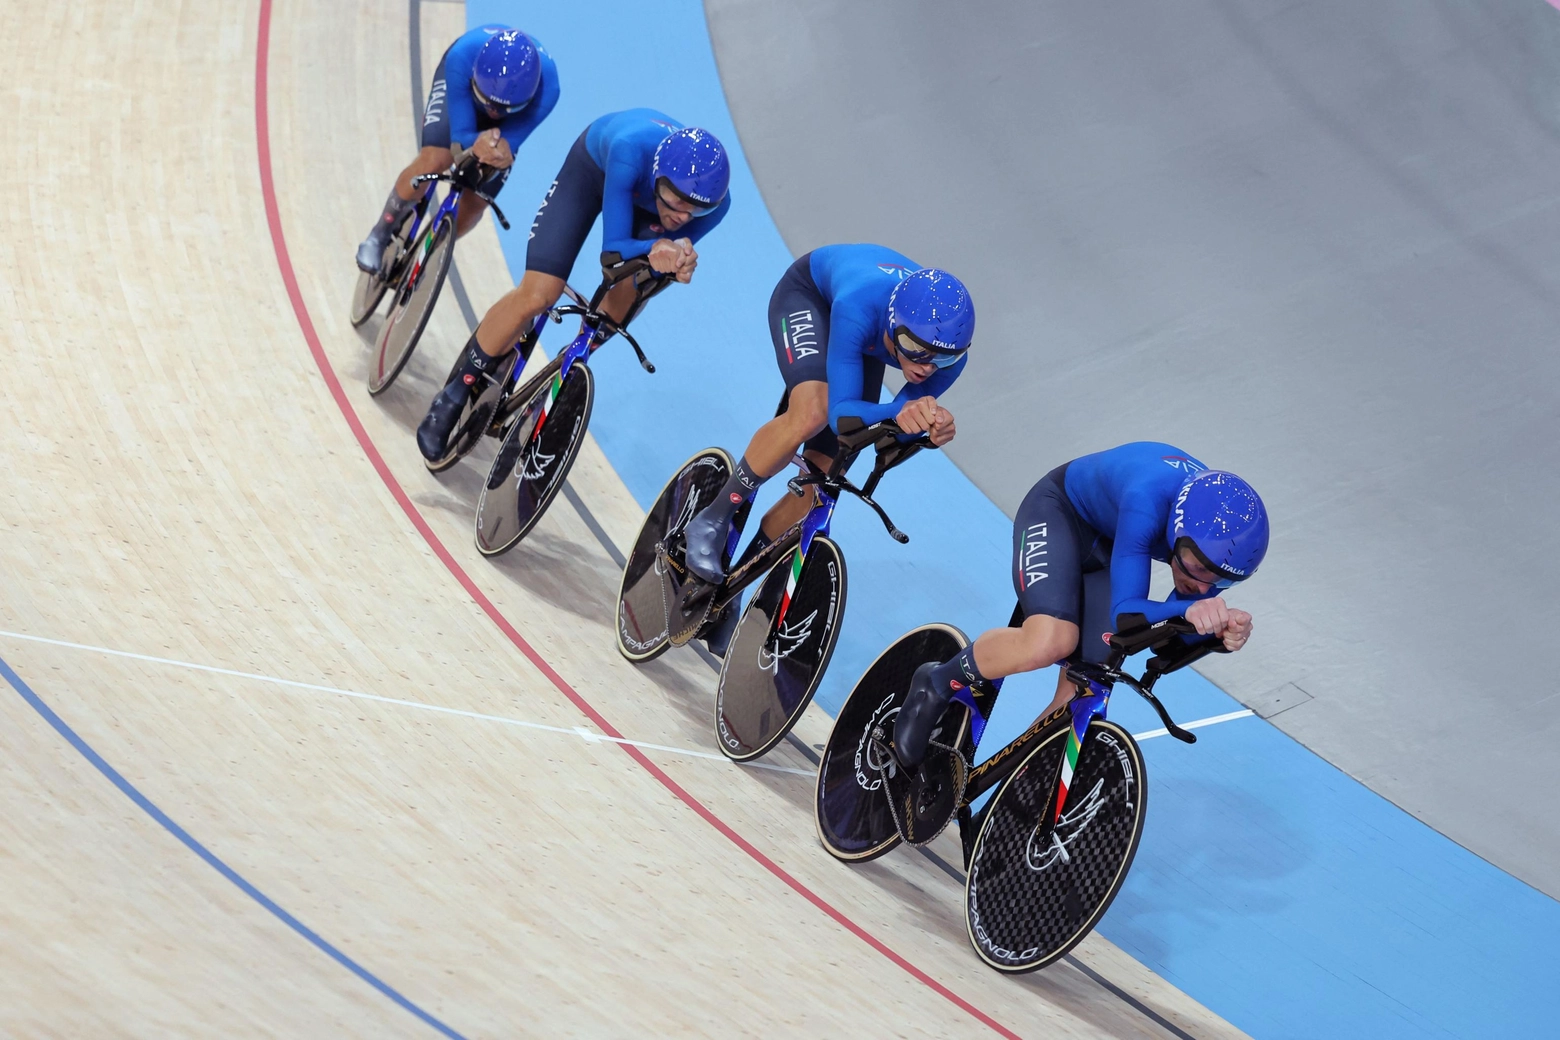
[1050, 849]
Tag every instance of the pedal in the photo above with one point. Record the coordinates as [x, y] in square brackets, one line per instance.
[925, 802]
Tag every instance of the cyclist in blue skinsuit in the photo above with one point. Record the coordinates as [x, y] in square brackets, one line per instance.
[839, 317]
[1083, 541]
[649, 178]
[491, 89]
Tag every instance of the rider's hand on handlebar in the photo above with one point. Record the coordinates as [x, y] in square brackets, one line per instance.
[492, 150]
[942, 428]
[918, 415]
[1239, 631]
[665, 256]
[689, 262]
[1214, 617]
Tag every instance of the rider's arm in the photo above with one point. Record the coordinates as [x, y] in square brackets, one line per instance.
[518, 127]
[847, 373]
[617, 212]
[1131, 566]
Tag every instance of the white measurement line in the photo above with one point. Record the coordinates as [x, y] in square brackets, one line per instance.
[1212, 720]
[579, 731]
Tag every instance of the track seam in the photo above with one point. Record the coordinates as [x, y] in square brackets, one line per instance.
[398, 493]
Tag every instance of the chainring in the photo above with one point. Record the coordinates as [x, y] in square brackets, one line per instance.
[924, 803]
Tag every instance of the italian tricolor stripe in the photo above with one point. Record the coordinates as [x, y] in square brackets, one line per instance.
[547, 405]
[1069, 763]
[790, 584]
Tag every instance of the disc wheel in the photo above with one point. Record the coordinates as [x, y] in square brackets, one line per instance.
[415, 295]
[643, 622]
[534, 459]
[774, 663]
[1035, 888]
[476, 418]
[855, 821]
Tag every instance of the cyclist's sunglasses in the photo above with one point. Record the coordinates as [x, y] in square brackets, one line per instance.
[913, 348]
[1223, 579]
[496, 109]
[677, 202]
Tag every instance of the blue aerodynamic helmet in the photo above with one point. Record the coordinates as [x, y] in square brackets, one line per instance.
[931, 318]
[1220, 518]
[693, 164]
[507, 74]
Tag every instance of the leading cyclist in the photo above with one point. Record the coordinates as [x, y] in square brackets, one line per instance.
[491, 89]
[838, 318]
[1082, 542]
[649, 178]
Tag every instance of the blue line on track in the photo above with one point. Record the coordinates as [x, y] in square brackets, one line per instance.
[130, 791]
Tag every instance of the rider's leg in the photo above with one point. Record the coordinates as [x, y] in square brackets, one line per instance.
[767, 454]
[557, 234]
[468, 213]
[799, 331]
[402, 198]
[1050, 546]
[505, 322]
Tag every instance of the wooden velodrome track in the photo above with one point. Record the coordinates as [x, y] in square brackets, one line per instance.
[282, 755]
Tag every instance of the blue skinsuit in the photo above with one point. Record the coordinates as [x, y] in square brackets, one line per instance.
[623, 144]
[1126, 494]
[857, 281]
[464, 114]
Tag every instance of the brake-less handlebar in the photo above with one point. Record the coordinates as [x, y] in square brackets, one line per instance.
[1134, 634]
[465, 173]
[854, 437]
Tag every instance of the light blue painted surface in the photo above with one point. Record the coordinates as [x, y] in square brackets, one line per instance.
[1269, 886]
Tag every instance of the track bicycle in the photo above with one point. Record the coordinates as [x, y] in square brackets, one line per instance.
[416, 262]
[787, 633]
[1048, 853]
[541, 421]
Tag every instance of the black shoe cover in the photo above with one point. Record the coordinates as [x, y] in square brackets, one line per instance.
[924, 706]
[433, 433]
[371, 253]
[706, 538]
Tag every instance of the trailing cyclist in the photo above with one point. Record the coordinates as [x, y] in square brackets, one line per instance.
[493, 86]
[649, 178]
[838, 318]
[1083, 539]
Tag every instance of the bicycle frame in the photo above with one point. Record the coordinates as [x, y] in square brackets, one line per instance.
[1094, 684]
[595, 330]
[800, 535]
[424, 226]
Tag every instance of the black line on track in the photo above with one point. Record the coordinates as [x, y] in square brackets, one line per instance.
[414, 33]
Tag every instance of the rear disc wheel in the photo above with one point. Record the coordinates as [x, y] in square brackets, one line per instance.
[850, 804]
[643, 621]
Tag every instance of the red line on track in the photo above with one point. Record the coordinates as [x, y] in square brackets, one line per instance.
[306, 324]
